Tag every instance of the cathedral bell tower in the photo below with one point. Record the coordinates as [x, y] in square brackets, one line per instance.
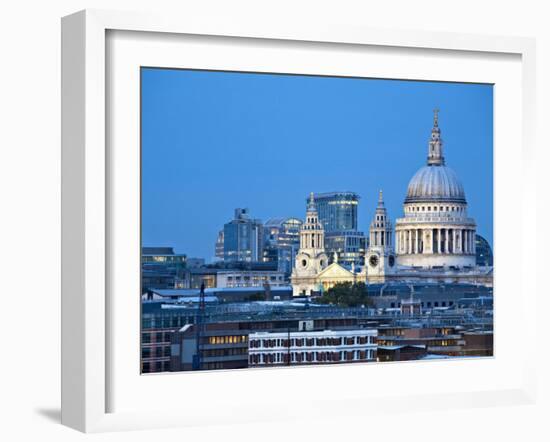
[380, 257]
[311, 258]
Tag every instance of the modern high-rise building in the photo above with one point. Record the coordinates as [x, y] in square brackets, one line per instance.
[219, 245]
[243, 238]
[337, 210]
[338, 216]
[281, 242]
[161, 268]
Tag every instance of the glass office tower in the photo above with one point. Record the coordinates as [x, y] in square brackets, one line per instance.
[337, 210]
[243, 238]
[338, 215]
[282, 241]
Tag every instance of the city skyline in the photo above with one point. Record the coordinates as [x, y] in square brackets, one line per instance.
[186, 112]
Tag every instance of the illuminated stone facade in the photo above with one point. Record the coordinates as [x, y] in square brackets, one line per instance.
[380, 261]
[434, 240]
[311, 258]
[435, 230]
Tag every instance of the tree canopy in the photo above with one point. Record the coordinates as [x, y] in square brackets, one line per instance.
[347, 294]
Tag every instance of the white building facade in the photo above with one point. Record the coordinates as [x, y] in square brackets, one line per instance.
[380, 259]
[249, 278]
[311, 347]
[435, 231]
[311, 258]
[433, 242]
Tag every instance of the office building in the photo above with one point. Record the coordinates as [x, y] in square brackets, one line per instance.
[219, 246]
[281, 242]
[250, 278]
[243, 238]
[267, 349]
[337, 210]
[338, 216]
[162, 268]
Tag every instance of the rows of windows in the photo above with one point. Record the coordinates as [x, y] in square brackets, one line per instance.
[443, 343]
[256, 278]
[228, 339]
[311, 342]
[427, 304]
[435, 209]
[310, 357]
[168, 321]
[155, 352]
[221, 352]
[213, 366]
[153, 367]
[431, 343]
[391, 332]
[151, 337]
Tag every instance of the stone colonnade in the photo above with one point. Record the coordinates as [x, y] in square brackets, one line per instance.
[435, 240]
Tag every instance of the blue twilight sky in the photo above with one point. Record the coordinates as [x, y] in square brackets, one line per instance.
[214, 141]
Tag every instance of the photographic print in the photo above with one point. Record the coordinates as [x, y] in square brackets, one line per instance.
[291, 220]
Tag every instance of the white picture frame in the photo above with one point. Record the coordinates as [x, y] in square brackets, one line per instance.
[87, 205]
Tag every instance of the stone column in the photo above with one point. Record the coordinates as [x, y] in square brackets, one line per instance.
[459, 248]
[397, 249]
[398, 241]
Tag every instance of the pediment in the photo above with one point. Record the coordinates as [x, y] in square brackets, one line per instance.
[335, 270]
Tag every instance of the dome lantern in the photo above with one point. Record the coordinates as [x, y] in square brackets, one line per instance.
[435, 182]
[435, 146]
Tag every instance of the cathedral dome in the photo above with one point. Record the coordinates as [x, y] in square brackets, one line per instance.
[435, 183]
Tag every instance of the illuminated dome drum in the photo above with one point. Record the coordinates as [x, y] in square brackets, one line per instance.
[435, 231]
